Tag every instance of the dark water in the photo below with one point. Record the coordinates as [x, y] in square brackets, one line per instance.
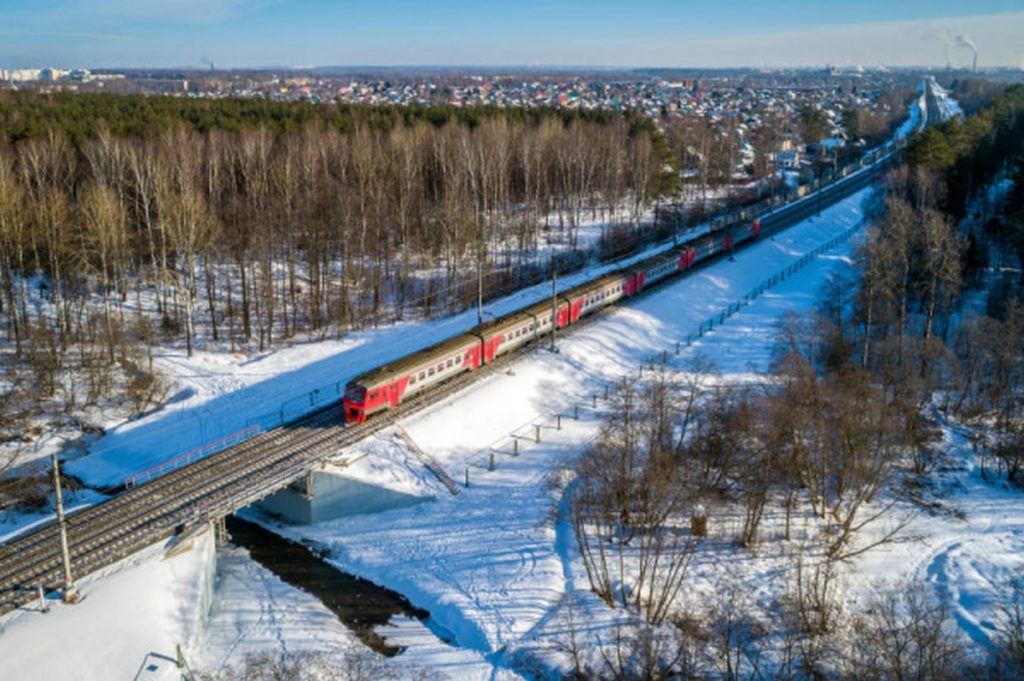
[361, 605]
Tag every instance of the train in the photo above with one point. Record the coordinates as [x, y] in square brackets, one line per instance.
[387, 386]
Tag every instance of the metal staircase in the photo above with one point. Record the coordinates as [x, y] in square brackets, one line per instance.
[432, 464]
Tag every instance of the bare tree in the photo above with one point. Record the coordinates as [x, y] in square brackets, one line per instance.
[905, 633]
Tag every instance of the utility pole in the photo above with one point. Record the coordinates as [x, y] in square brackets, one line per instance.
[554, 303]
[70, 594]
[479, 291]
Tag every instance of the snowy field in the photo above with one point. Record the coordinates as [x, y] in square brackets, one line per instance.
[492, 565]
[127, 625]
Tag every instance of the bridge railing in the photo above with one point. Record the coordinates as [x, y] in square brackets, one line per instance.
[190, 456]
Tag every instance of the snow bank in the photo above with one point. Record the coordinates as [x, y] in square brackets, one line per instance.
[131, 618]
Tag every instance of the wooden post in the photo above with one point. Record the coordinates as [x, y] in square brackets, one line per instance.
[490, 466]
[515, 447]
[558, 422]
[467, 476]
[536, 434]
[699, 522]
[576, 411]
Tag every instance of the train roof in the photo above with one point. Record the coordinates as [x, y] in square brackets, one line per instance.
[655, 261]
[598, 284]
[404, 365]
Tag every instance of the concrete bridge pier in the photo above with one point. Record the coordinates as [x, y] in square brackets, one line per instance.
[328, 493]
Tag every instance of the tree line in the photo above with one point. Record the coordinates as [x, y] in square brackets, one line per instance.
[967, 154]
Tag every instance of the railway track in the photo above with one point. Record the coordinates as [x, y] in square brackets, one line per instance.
[233, 478]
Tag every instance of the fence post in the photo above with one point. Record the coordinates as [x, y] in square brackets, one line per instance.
[467, 476]
[687, 342]
[606, 391]
[576, 411]
[490, 466]
[595, 400]
[515, 447]
[558, 421]
[536, 434]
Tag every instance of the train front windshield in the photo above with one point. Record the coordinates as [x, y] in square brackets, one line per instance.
[355, 393]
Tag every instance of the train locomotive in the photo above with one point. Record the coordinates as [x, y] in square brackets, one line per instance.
[387, 386]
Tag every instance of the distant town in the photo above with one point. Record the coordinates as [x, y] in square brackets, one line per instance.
[763, 113]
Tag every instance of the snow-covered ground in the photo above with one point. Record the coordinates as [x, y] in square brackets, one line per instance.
[491, 565]
[127, 625]
[916, 119]
[494, 567]
[948, 107]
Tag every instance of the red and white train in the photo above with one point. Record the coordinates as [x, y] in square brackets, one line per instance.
[387, 386]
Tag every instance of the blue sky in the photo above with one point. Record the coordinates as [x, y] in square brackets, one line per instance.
[556, 32]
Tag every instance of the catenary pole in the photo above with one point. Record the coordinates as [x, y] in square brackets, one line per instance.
[70, 590]
[554, 303]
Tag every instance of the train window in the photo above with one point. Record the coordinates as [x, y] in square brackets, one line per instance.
[412, 381]
[440, 367]
[451, 363]
[423, 374]
[430, 372]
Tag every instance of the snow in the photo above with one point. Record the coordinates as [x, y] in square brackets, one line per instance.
[490, 565]
[220, 394]
[917, 118]
[217, 394]
[948, 107]
[131, 617]
[495, 566]
[254, 611]
[969, 554]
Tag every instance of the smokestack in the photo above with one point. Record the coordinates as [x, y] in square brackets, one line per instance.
[965, 41]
